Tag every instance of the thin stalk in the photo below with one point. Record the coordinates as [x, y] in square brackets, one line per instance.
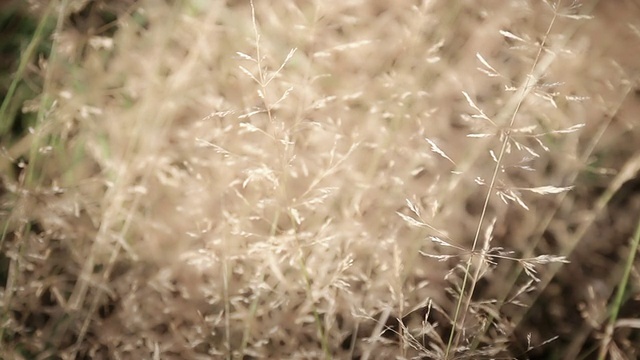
[530, 81]
[322, 333]
[473, 250]
[45, 101]
[263, 82]
[617, 301]
[24, 61]
[227, 304]
[4, 126]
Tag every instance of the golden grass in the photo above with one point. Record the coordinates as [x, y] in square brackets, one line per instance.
[305, 180]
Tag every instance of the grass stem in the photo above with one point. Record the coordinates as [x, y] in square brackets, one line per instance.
[620, 293]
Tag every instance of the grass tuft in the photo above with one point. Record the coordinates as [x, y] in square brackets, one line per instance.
[357, 180]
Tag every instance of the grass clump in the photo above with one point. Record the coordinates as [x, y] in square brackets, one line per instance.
[360, 180]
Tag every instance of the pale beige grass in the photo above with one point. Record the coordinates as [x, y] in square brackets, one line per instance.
[217, 216]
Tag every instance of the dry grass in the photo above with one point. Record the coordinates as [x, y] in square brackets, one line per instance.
[436, 179]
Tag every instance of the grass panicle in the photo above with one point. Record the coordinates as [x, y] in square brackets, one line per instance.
[313, 180]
